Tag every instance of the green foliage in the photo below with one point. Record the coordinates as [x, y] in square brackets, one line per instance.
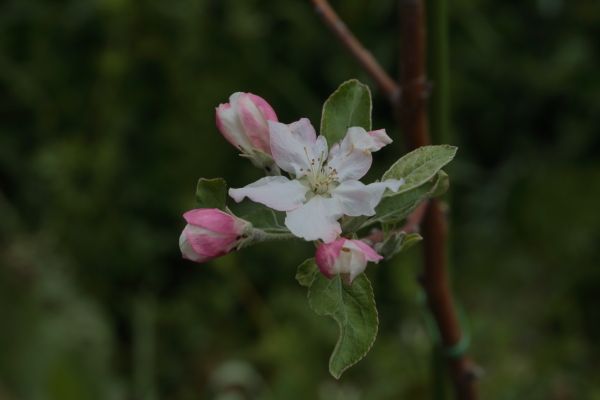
[306, 272]
[353, 308]
[261, 216]
[420, 165]
[108, 115]
[211, 193]
[396, 207]
[350, 105]
[397, 242]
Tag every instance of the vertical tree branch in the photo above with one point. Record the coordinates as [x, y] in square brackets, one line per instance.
[412, 112]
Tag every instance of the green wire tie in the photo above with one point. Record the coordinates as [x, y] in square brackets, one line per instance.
[460, 348]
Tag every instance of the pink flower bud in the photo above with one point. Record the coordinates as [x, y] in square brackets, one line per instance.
[210, 233]
[243, 122]
[346, 257]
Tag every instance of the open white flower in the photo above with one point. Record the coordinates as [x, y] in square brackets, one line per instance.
[326, 184]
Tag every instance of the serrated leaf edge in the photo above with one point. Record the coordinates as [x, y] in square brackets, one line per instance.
[420, 149]
[336, 348]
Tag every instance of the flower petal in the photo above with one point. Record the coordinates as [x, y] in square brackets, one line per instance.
[253, 122]
[215, 220]
[380, 139]
[304, 130]
[206, 244]
[276, 192]
[326, 256]
[369, 253]
[295, 147]
[187, 251]
[356, 198]
[371, 141]
[317, 219]
[264, 107]
[352, 261]
[229, 124]
[348, 162]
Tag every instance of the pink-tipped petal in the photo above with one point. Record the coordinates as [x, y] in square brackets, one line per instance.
[187, 251]
[213, 219]
[208, 244]
[210, 233]
[243, 122]
[380, 139]
[369, 253]
[254, 123]
[264, 107]
[326, 256]
[345, 256]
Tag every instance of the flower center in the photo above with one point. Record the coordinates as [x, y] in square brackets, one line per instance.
[320, 177]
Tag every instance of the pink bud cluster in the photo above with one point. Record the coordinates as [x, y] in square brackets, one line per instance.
[211, 233]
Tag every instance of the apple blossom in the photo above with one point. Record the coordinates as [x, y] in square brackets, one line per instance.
[345, 256]
[244, 123]
[211, 233]
[326, 184]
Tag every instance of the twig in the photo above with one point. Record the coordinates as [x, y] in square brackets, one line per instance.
[412, 114]
[413, 118]
[364, 57]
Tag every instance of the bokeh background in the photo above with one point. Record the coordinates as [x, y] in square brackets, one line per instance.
[107, 121]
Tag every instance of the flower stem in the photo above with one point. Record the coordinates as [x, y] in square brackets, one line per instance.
[258, 235]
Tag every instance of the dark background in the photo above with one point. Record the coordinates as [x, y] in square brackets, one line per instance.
[107, 121]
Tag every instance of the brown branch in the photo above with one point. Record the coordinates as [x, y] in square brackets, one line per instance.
[364, 57]
[412, 113]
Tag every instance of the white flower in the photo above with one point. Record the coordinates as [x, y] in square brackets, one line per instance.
[326, 185]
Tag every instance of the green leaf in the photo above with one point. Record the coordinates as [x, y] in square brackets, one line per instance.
[395, 208]
[410, 240]
[260, 216]
[353, 308]
[350, 105]
[397, 242]
[352, 224]
[306, 272]
[211, 193]
[441, 186]
[420, 165]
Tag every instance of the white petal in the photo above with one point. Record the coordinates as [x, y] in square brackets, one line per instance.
[349, 163]
[304, 130]
[356, 198]
[317, 219]
[276, 192]
[380, 139]
[355, 262]
[371, 141]
[294, 147]
[228, 122]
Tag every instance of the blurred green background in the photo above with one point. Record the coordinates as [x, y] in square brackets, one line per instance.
[107, 121]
